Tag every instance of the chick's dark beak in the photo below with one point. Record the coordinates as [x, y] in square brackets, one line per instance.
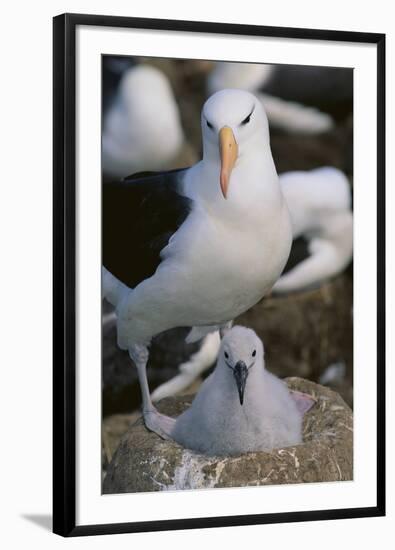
[240, 372]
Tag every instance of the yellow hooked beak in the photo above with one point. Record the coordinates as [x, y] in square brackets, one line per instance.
[228, 151]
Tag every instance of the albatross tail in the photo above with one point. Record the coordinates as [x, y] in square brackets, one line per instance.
[112, 289]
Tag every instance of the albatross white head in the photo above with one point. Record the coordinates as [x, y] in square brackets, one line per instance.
[235, 131]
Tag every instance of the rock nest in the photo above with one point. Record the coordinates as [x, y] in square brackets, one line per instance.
[145, 462]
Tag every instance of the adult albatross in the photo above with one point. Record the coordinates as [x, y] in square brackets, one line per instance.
[196, 247]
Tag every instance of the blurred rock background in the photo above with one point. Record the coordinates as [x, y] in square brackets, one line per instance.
[306, 334]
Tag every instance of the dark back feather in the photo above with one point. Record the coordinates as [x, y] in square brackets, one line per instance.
[140, 214]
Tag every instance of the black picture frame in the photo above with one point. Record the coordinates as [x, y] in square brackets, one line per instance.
[64, 273]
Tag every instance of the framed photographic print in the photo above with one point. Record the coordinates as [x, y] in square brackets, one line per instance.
[218, 275]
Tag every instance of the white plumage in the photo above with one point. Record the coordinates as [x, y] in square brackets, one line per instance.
[218, 424]
[143, 111]
[319, 203]
[228, 253]
[231, 247]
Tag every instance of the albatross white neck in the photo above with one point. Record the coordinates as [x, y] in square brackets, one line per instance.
[253, 183]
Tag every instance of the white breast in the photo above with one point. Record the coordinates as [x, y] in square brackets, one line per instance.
[226, 268]
[216, 266]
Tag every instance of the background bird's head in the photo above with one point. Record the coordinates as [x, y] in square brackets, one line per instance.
[240, 355]
[234, 129]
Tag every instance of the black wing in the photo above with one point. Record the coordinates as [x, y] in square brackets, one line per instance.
[140, 214]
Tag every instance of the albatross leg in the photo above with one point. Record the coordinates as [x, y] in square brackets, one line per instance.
[153, 419]
[225, 328]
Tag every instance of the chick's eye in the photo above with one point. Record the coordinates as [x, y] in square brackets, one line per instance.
[209, 125]
[254, 353]
[226, 355]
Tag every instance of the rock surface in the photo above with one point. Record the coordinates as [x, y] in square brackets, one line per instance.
[113, 428]
[144, 462]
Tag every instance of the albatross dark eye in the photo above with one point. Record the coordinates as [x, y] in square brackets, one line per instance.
[226, 355]
[246, 120]
[254, 353]
[209, 125]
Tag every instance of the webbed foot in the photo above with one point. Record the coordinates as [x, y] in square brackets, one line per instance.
[303, 401]
[159, 423]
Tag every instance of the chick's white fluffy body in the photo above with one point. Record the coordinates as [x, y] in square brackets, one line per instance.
[228, 253]
[216, 423]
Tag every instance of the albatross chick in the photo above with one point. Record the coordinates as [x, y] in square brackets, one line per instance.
[241, 407]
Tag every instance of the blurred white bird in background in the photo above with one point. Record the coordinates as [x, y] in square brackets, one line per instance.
[297, 99]
[319, 203]
[142, 126]
[247, 76]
